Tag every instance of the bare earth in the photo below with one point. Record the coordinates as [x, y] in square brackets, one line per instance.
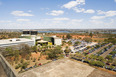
[63, 68]
[98, 73]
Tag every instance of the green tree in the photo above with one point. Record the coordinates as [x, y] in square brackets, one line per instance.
[99, 64]
[34, 48]
[77, 43]
[91, 35]
[68, 36]
[55, 53]
[69, 42]
[87, 39]
[24, 65]
[25, 50]
[109, 57]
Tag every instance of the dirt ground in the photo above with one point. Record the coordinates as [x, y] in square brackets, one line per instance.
[37, 55]
[98, 73]
[42, 60]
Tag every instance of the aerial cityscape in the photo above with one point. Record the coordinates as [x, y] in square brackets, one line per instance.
[57, 38]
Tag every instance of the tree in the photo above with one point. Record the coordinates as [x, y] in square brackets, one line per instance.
[34, 48]
[99, 64]
[67, 51]
[25, 50]
[88, 47]
[109, 57]
[68, 36]
[55, 53]
[63, 37]
[77, 43]
[112, 40]
[69, 42]
[92, 62]
[91, 35]
[24, 65]
[114, 63]
[87, 39]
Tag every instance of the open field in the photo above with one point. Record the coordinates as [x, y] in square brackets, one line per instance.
[64, 68]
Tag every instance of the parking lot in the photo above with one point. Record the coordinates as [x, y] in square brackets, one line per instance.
[81, 47]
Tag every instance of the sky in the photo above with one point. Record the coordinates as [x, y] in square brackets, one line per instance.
[57, 14]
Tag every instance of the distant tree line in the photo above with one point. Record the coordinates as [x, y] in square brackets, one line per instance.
[6, 35]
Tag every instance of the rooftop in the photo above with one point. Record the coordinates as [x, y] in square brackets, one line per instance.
[15, 40]
[65, 68]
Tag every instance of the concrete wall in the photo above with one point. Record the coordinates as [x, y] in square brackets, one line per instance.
[7, 67]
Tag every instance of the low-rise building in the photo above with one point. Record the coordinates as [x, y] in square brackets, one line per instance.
[54, 40]
[57, 41]
[16, 41]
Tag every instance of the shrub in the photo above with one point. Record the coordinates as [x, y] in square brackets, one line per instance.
[17, 66]
[21, 61]
[34, 59]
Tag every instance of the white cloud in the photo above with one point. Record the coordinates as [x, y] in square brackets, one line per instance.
[77, 20]
[78, 10]
[44, 8]
[23, 20]
[105, 14]
[58, 19]
[29, 10]
[108, 13]
[72, 4]
[3, 21]
[115, 0]
[89, 11]
[64, 19]
[96, 21]
[98, 17]
[21, 13]
[56, 13]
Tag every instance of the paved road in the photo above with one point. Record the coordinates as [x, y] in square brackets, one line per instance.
[2, 73]
[99, 49]
[107, 52]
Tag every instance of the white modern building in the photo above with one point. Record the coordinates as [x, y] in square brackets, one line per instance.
[57, 41]
[16, 41]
